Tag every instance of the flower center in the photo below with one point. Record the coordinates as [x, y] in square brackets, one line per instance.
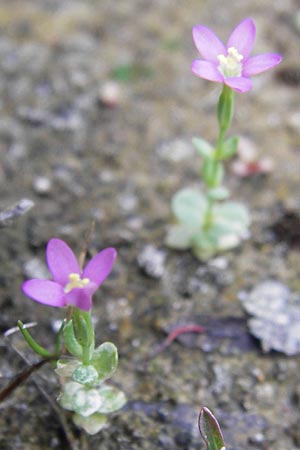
[75, 282]
[230, 65]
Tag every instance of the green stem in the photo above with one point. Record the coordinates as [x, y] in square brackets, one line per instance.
[225, 113]
[58, 337]
[208, 217]
[84, 332]
[87, 344]
[225, 109]
[32, 343]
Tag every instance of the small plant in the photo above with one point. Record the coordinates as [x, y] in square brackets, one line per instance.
[206, 223]
[84, 371]
[210, 430]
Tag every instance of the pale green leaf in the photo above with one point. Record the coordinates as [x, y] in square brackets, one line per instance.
[224, 236]
[86, 375]
[86, 401]
[65, 367]
[92, 424]
[204, 148]
[218, 193]
[204, 245]
[179, 237]
[66, 397]
[112, 399]
[189, 207]
[233, 215]
[105, 360]
[216, 239]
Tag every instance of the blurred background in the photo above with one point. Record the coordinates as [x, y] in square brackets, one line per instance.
[98, 108]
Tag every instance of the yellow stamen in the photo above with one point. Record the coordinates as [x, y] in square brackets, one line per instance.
[230, 65]
[75, 282]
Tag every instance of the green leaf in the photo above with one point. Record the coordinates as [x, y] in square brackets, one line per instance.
[216, 239]
[219, 193]
[32, 342]
[86, 375]
[210, 430]
[229, 147]
[70, 340]
[66, 367]
[86, 401]
[234, 215]
[92, 424]
[204, 245]
[224, 237]
[105, 360]
[112, 399]
[66, 397]
[189, 206]
[212, 173]
[204, 148]
[179, 237]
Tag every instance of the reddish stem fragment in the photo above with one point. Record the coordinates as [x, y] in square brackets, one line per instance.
[191, 328]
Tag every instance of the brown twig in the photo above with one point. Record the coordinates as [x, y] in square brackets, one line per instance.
[87, 241]
[21, 378]
[73, 444]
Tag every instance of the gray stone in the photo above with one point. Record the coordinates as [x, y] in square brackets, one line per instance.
[152, 261]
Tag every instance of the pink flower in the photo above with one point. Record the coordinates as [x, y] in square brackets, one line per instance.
[230, 64]
[70, 285]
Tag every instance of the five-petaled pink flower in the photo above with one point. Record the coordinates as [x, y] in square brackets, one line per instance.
[230, 64]
[70, 285]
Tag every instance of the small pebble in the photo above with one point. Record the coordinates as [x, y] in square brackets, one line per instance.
[219, 263]
[35, 268]
[14, 211]
[127, 201]
[257, 438]
[152, 261]
[42, 185]
[134, 223]
[276, 320]
[293, 120]
[55, 325]
[176, 150]
[110, 94]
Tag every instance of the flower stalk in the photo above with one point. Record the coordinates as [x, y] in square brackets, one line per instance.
[205, 222]
[82, 374]
[225, 114]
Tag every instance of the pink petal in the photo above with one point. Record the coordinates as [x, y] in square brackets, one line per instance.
[44, 291]
[206, 70]
[239, 84]
[242, 38]
[208, 44]
[61, 261]
[99, 267]
[260, 63]
[79, 297]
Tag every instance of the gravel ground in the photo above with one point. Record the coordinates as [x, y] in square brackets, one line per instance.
[97, 111]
